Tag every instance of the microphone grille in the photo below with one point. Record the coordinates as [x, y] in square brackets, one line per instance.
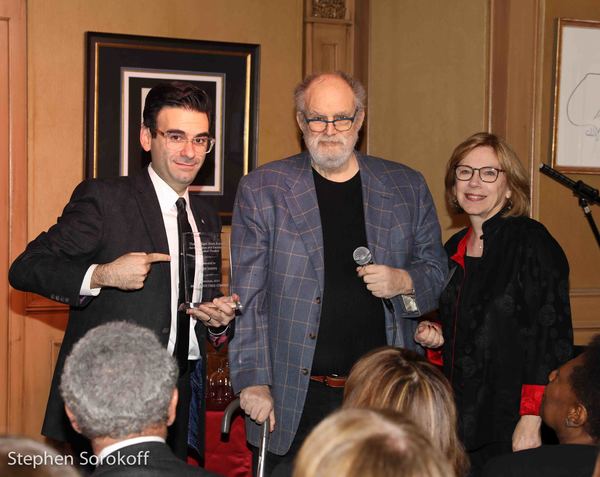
[362, 256]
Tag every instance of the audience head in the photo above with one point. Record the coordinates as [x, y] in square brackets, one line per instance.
[119, 381]
[24, 457]
[571, 402]
[174, 94]
[369, 443]
[514, 172]
[401, 380]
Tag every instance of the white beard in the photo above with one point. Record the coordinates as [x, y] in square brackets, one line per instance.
[327, 159]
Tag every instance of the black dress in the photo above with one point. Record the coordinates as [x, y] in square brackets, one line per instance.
[507, 323]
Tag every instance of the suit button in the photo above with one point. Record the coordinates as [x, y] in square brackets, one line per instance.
[318, 300]
[165, 331]
[312, 336]
[304, 371]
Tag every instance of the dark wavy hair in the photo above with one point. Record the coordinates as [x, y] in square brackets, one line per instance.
[174, 94]
[585, 381]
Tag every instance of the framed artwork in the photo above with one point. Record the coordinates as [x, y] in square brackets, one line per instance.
[121, 69]
[576, 134]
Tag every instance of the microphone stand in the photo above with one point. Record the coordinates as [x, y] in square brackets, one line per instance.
[586, 194]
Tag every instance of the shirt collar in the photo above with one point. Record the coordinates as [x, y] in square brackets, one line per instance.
[166, 195]
[126, 443]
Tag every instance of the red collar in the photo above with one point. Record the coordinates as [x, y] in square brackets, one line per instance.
[461, 250]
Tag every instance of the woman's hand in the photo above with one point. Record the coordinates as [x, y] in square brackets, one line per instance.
[429, 334]
[527, 433]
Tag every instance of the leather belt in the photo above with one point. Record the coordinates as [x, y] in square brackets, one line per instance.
[332, 381]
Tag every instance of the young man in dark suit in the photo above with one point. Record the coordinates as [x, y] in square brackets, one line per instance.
[114, 253]
[104, 379]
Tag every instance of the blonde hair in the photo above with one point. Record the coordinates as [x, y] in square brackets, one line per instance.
[369, 443]
[402, 380]
[516, 175]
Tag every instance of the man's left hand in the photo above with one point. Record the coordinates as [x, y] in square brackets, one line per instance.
[527, 433]
[384, 281]
[217, 313]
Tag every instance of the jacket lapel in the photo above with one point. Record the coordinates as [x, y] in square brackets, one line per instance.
[304, 209]
[377, 203]
[150, 212]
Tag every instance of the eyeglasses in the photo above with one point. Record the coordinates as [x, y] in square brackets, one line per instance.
[177, 141]
[319, 124]
[486, 174]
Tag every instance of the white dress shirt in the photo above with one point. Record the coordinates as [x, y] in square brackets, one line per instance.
[126, 443]
[167, 198]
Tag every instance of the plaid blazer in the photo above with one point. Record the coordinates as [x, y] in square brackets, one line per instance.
[277, 269]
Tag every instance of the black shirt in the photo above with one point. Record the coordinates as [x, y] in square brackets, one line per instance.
[352, 319]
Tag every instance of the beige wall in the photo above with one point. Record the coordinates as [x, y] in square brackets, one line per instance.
[56, 59]
[427, 83]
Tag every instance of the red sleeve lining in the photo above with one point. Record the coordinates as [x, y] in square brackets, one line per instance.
[531, 399]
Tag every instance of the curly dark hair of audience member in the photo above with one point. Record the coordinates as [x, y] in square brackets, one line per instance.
[402, 380]
[118, 380]
[585, 381]
[369, 443]
[516, 175]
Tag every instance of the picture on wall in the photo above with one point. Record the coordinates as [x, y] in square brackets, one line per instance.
[121, 69]
[576, 135]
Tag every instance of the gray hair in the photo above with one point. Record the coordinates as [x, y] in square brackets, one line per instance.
[358, 89]
[118, 380]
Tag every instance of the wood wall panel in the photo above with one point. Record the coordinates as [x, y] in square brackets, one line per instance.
[521, 109]
[329, 42]
[428, 81]
[584, 305]
[13, 205]
[4, 188]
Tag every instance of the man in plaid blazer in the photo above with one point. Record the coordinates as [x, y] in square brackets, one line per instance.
[310, 312]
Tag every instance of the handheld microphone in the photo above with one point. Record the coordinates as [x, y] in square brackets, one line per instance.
[362, 256]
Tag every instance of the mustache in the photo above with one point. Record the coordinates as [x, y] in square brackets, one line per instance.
[332, 140]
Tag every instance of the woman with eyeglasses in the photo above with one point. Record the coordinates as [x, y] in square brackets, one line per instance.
[505, 312]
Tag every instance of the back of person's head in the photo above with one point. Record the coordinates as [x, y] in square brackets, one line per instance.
[118, 381]
[174, 94]
[369, 443]
[24, 457]
[401, 380]
[585, 381]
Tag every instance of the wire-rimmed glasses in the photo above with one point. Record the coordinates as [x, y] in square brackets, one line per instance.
[176, 141]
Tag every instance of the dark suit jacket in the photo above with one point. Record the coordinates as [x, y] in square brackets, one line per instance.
[104, 219]
[278, 271]
[160, 462]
